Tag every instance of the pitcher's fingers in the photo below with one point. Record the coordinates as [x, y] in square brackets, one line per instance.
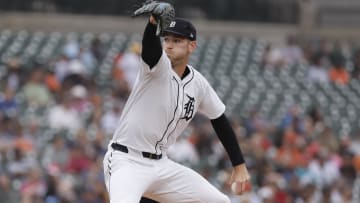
[243, 184]
[248, 185]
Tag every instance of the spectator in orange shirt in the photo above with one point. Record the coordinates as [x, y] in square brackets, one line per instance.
[289, 155]
[52, 82]
[337, 73]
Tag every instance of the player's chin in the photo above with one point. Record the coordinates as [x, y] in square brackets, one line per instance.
[170, 56]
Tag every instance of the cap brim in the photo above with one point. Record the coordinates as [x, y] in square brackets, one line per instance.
[175, 33]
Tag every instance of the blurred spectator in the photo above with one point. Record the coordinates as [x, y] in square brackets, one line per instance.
[79, 100]
[314, 122]
[19, 164]
[266, 194]
[94, 96]
[323, 171]
[262, 142]
[14, 79]
[56, 155]
[88, 59]
[129, 64]
[293, 119]
[76, 66]
[8, 104]
[35, 91]
[94, 190]
[76, 74]
[309, 193]
[289, 155]
[51, 195]
[292, 52]
[52, 82]
[355, 144]
[66, 188]
[7, 194]
[73, 70]
[346, 194]
[275, 56]
[99, 145]
[338, 73]
[184, 151]
[78, 160]
[23, 141]
[61, 66]
[254, 122]
[272, 57]
[62, 116]
[356, 60]
[71, 47]
[33, 187]
[6, 135]
[98, 49]
[111, 117]
[328, 139]
[317, 72]
[202, 143]
[356, 162]
[347, 168]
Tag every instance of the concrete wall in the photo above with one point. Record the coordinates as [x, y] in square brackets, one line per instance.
[274, 33]
[338, 13]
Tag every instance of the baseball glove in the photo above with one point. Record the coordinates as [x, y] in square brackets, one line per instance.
[163, 12]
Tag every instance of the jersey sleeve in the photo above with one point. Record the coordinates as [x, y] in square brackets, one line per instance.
[211, 105]
[162, 67]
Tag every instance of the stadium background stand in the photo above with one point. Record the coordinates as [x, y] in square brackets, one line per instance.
[232, 64]
[288, 126]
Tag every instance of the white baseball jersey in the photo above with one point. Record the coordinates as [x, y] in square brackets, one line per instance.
[162, 104]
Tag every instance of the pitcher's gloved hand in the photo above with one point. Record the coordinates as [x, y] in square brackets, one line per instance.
[163, 12]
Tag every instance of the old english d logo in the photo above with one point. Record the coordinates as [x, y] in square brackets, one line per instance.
[189, 108]
[172, 24]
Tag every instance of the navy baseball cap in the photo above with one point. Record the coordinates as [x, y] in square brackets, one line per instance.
[182, 28]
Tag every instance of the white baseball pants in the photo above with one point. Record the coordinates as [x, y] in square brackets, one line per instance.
[128, 176]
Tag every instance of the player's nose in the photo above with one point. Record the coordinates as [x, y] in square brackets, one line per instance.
[169, 45]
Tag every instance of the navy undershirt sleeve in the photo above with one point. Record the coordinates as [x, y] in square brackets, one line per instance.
[227, 137]
[151, 46]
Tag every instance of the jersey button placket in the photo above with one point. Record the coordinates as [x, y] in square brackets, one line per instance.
[177, 113]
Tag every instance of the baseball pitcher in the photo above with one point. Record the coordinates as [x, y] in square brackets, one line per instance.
[166, 95]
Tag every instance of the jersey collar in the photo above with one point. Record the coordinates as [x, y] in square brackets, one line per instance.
[186, 72]
[187, 77]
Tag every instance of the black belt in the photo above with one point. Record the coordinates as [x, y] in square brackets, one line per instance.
[122, 148]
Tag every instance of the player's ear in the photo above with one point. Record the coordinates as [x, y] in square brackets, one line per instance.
[192, 46]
